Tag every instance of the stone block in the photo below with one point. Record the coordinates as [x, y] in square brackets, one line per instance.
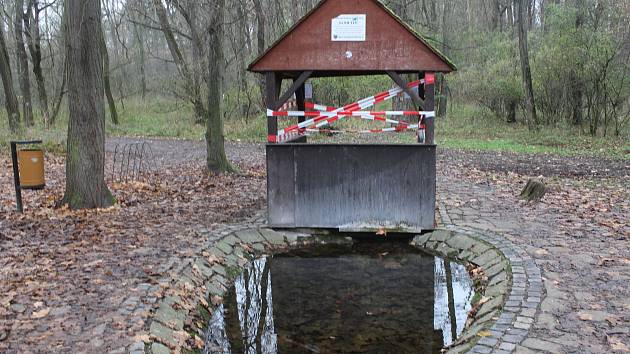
[493, 304]
[461, 242]
[170, 317]
[159, 348]
[249, 236]
[501, 277]
[273, 237]
[163, 333]
[420, 240]
[440, 235]
[225, 247]
[542, 345]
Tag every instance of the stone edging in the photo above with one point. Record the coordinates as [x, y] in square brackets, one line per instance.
[523, 302]
[501, 322]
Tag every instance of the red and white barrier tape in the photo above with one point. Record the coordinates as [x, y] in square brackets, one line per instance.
[399, 128]
[319, 107]
[321, 120]
[271, 113]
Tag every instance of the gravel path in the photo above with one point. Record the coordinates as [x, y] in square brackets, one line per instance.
[181, 151]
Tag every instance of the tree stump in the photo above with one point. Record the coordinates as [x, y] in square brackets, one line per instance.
[534, 191]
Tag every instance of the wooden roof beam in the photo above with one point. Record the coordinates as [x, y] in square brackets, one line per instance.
[404, 85]
[297, 83]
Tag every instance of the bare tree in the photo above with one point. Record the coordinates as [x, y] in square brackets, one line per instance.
[106, 80]
[260, 41]
[191, 82]
[532, 119]
[22, 63]
[85, 162]
[11, 102]
[33, 36]
[216, 159]
[577, 87]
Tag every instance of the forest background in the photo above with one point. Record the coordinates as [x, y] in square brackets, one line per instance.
[156, 70]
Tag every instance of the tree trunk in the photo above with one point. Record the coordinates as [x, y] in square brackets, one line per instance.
[534, 191]
[217, 161]
[192, 15]
[532, 119]
[34, 46]
[241, 56]
[60, 90]
[85, 162]
[442, 99]
[495, 15]
[60, 93]
[106, 80]
[511, 113]
[510, 15]
[260, 39]
[10, 100]
[577, 88]
[139, 39]
[22, 64]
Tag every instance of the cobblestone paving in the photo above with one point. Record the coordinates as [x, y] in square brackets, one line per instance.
[585, 306]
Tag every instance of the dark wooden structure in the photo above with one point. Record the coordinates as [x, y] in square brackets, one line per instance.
[350, 187]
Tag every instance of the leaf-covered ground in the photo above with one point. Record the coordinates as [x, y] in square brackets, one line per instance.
[64, 274]
[86, 281]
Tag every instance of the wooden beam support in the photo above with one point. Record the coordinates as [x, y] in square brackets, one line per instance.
[300, 98]
[429, 100]
[273, 81]
[403, 85]
[297, 83]
[421, 87]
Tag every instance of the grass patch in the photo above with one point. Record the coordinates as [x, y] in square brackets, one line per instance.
[474, 128]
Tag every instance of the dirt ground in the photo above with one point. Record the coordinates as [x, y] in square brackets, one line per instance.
[78, 281]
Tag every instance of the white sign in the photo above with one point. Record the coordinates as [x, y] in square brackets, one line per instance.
[348, 28]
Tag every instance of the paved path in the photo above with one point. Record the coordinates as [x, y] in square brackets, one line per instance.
[585, 274]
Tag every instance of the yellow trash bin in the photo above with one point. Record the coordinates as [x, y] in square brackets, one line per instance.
[31, 163]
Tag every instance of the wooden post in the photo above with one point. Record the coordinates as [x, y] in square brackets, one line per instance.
[423, 97]
[273, 82]
[16, 177]
[300, 98]
[429, 106]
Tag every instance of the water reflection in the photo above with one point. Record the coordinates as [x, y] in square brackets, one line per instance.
[453, 296]
[368, 297]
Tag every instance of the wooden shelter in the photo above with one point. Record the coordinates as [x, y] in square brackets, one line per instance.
[345, 186]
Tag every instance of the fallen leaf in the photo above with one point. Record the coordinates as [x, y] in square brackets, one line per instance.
[585, 317]
[41, 314]
[216, 300]
[142, 338]
[199, 343]
[484, 334]
[213, 259]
